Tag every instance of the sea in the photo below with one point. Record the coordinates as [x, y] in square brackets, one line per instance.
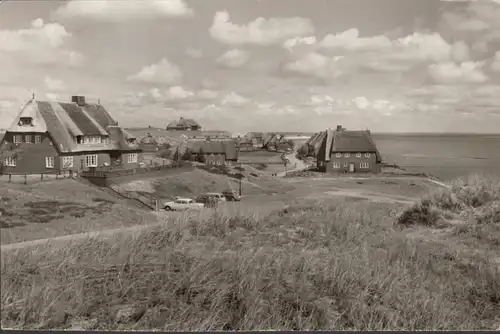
[446, 156]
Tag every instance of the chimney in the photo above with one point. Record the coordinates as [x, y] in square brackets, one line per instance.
[339, 127]
[80, 100]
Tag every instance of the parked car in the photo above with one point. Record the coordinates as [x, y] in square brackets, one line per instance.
[231, 196]
[207, 201]
[218, 196]
[182, 204]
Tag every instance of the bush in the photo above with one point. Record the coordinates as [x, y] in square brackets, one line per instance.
[422, 213]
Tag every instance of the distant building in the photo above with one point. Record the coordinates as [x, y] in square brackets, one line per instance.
[59, 136]
[214, 153]
[184, 124]
[343, 151]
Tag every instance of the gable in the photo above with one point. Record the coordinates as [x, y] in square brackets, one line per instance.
[29, 110]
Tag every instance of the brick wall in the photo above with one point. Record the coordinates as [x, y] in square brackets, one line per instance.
[32, 157]
[344, 163]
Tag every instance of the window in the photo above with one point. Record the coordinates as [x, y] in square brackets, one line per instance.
[358, 155]
[10, 161]
[347, 155]
[38, 139]
[92, 140]
[24, 121]
[338, 155]
[49, 162]
[346, 164]
[28, 139]
[336, 165]
[78, 139]
[367, 155]
[18, 139]
[67, 162]
[91, 160]
[219, 162]
[364, 165]
[132, 158]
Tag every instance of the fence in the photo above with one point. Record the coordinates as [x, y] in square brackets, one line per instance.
[36, 177]
[149, 202]
[109, 173]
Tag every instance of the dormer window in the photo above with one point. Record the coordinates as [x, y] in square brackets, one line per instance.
[79, 139]
[25, 121]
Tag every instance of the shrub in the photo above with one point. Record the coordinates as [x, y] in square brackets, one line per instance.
[422, 213]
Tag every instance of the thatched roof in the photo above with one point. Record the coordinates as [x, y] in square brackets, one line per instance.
[65, 121]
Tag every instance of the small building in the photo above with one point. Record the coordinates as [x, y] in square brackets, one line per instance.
[284, 146]
[184, 124]
[345, 151]
[214, 152]
[59, 136]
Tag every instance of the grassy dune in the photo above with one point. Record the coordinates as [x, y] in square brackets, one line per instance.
[335, 264]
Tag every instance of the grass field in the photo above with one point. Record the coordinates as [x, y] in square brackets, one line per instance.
[260, 157]
[330, 263]
[56, 208]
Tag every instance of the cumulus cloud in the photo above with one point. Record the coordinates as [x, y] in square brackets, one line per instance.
[315, 64]
[163, 72]
[346, 52]
[235, 100]
[207, 94]
[42, 43]
[495, 66]
[124, 10]
[234, 58]
[261, 31]
[479, 20]
[173, 95]
[350, 40]
[452, 73]
[54, 84]
[178, 93]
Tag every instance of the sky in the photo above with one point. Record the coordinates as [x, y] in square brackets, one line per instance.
[260, 65]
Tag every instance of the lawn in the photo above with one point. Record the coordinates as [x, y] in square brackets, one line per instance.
[196, 182]
[318, 264]
[56, 208]
[260, 157]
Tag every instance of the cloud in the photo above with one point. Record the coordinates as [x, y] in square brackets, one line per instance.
[206, 94]
[350, 40]
[163, 72]
[347, 52]
[194, 53]
[235, 100]
[316, 65]
[326, 104]
[478, 20]
[174, 95]
[234, 58]
[495, 66]
[51, 96]
[124, 10]
[178, 93]
[451, 73]
[261, 31]
[42, 43]
[54, 84]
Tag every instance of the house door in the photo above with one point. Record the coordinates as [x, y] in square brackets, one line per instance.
[81, 164]
[351, 168]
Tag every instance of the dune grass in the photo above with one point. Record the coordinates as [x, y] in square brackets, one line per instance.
[333, 264]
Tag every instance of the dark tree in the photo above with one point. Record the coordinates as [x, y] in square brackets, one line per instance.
[176, 156]
[201, 156]
[187, 155]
